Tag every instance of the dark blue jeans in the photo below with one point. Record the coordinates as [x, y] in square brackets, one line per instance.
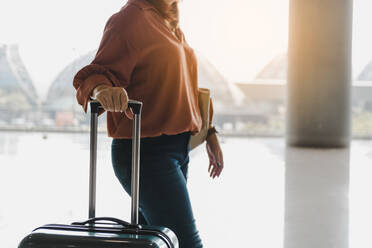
[164, 199]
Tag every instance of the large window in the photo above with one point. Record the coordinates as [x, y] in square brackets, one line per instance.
[362, 70]
[44, 43]
[241, 46]
[235, 42]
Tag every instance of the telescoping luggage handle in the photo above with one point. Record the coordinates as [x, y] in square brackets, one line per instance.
[136, 107]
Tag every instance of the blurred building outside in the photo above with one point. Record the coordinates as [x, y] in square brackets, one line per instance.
[254, 108]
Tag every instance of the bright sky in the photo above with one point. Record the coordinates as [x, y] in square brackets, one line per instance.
[238, 36]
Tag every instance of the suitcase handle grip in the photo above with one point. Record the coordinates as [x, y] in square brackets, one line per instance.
[115, 220]
[136, 106]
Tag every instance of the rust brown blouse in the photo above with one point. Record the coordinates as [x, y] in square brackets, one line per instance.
[139, 53]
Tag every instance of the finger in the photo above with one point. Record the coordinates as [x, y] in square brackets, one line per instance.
[210, 169]
[219, 169]
[214, 174]
[114, 102]
[220, 166]
[219, 172]
[221, 158]
[213, 171]
[109, 103]
[216, 171]
[124, 100]
[220, 163]
[211, 174]
[210, 166]
[102, 101]
[117, 101]
[129, 113]
[212, 159]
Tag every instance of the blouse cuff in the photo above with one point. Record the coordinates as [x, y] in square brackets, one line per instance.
[85, 90]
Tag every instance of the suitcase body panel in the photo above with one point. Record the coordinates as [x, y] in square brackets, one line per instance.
[63, 236]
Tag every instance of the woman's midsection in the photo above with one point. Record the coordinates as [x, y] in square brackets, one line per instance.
[160, 145]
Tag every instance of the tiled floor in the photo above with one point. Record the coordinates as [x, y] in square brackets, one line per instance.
[268, 196]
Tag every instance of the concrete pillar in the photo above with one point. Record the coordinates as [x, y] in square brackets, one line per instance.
[317, 198]
[319, 73]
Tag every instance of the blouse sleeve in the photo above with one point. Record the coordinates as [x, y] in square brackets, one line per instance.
[112, 65]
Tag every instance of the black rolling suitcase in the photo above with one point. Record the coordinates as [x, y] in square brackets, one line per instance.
[105, 232]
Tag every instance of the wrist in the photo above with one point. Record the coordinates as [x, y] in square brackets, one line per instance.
[211, 132]
[211, 138]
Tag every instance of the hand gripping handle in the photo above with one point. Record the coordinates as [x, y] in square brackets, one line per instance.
[136, 106]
